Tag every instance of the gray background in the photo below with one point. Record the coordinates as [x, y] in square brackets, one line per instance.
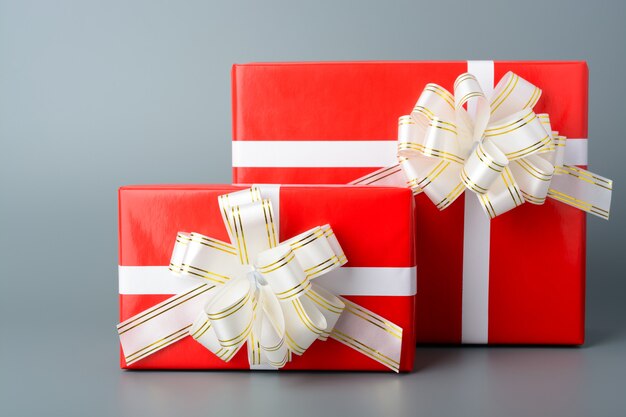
[94, 95]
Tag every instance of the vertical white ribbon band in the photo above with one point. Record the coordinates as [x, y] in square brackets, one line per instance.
[476, 237]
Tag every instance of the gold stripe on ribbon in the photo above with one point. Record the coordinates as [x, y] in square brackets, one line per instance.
[365, 349]
[533, 199]
[378, 175]
[486, 203]
[430, 151]
[203, 273]
[213, 243]
[523, 121]
[506, 92]
[158, 345]
[471, 184]
[290, 256]
[580, 204]
[274, 348]
[463, 77]
[234, 341]
[430, 177]
[241, 240]
[529, 149]
[202, 330]
[304, 285]
[159, 309]
[533, 171]
[451, 197]
[441, 92]
[322, 302]
[319, 269]
[512, 187]
[229, 311]
[269, 223]
[385, 325]
[293, 345]
[534, 98]
[304, 318]
[307, 239]
[488, 160]
[586, 176]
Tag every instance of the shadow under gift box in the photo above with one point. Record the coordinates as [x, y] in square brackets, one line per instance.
[536, 280]
[374, 229]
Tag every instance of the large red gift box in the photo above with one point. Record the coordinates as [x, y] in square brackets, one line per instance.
[335, 122]
[374, 228]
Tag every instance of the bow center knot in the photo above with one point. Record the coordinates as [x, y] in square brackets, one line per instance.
[254, 276]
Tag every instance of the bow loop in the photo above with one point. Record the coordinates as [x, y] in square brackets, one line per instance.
[434, 101]
[441, 141]
[268, 337]
[283, 273]
[438, 179]
[250, 222]
[266, 297]
[467, 90]
[317, 251]
[231, 312]
[518, 135]
[533, 175]
[483, 167]
[226, 322]
[511, 95]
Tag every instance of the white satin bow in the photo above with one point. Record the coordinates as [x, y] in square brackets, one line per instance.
[506, 154]
[267, 297]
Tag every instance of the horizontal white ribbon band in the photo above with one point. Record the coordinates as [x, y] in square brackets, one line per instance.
[344, 154]
[575, 152]
[344, 281]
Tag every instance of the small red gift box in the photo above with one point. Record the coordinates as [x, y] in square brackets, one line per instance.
[374, 228]
[519, 279]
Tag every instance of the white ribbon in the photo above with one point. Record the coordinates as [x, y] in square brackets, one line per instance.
[505, 153]
[359, 281]
[260, 292]
[298, 154]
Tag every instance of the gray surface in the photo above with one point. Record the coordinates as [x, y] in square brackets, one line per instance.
[96, 95]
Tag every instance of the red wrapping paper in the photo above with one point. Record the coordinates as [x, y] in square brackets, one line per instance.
[374, 229]
[537, 253]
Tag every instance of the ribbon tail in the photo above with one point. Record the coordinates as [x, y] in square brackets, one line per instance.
[162, 325]
[389, 176]
[369, 334]
[582, 189]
